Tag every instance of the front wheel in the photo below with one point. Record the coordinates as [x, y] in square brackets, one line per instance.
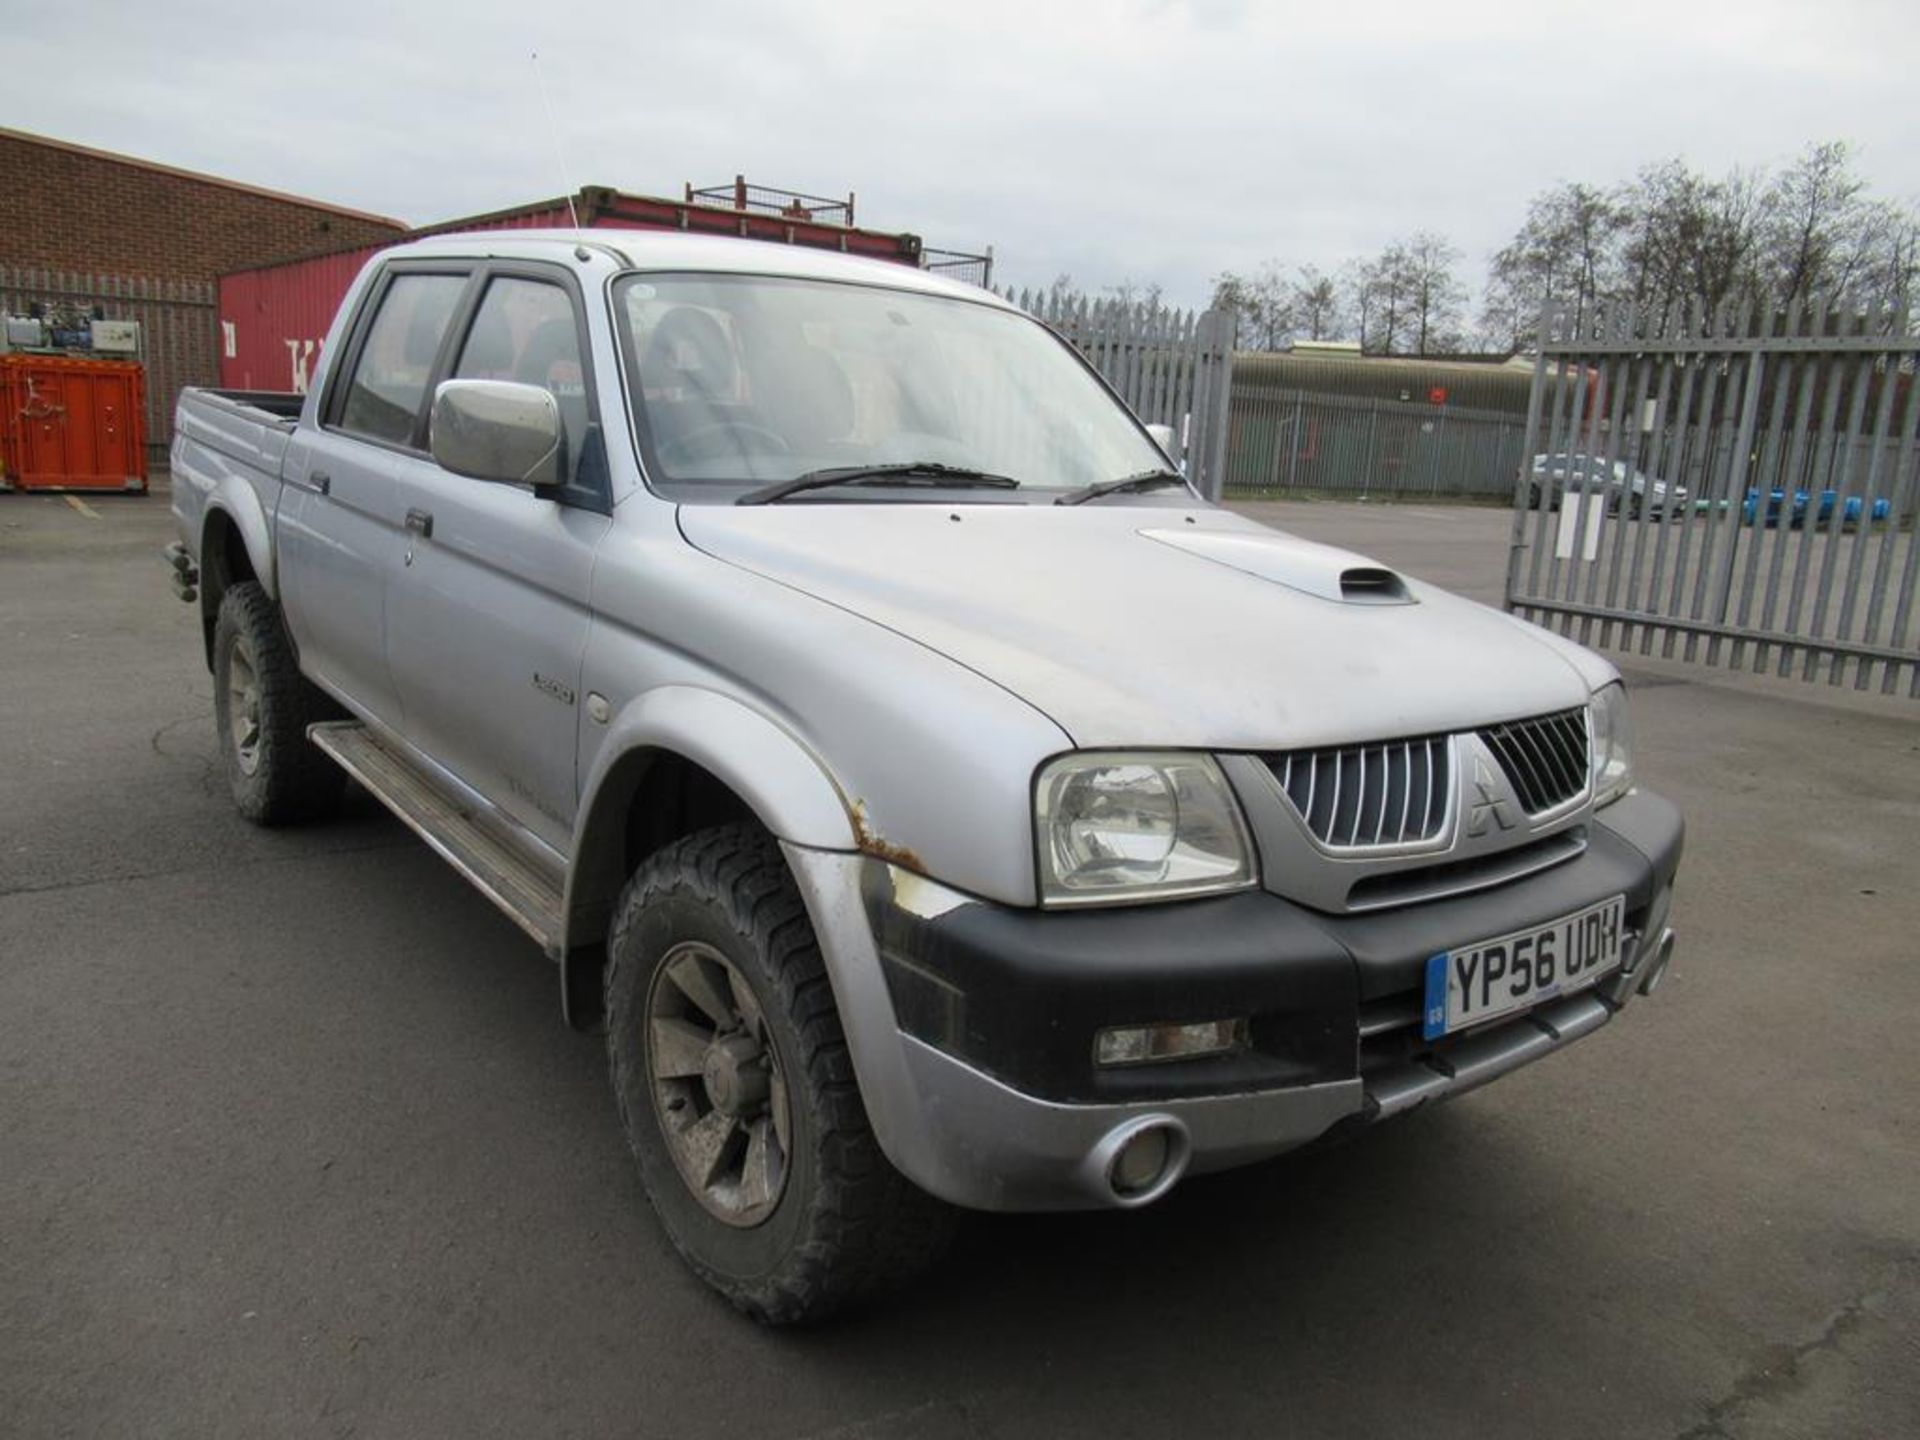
[262, 706]
[737, 1093]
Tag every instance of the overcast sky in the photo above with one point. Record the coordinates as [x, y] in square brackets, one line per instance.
[1152, 139]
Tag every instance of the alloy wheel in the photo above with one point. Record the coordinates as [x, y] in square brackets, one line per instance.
[718, 1089]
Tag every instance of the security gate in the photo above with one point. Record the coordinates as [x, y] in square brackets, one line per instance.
[1739, 488]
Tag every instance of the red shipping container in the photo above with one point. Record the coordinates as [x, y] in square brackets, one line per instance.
[274, 319]
[68, 422]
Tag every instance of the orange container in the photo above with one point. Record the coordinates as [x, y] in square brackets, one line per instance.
[69, 422]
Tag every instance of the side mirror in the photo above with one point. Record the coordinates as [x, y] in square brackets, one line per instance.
[1163, 437]
[498, 430]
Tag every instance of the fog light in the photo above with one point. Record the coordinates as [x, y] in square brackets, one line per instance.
[1149, 1044]
[1141, 1161]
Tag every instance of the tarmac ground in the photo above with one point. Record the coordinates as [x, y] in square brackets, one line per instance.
[293, 1141]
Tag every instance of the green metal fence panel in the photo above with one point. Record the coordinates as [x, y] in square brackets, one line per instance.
[1301, 442]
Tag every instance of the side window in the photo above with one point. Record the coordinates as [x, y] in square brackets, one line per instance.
[524, 331]
[390, 378]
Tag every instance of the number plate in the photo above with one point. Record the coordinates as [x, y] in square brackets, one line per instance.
[1491, 978]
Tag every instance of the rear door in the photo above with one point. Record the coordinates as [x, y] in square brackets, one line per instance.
[487, 611]
[341, 520]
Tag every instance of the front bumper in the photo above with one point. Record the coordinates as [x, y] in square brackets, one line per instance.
[971, 1024]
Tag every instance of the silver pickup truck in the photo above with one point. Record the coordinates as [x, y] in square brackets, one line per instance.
[935, 801]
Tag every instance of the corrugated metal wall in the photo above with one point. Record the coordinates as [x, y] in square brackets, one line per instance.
[273, 322]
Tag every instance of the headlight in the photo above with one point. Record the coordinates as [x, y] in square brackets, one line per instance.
[1612, 744]
[1137, 826]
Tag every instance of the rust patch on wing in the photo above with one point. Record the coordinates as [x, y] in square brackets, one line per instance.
[881, 849]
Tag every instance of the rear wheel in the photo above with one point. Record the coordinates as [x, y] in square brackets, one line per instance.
[737, 1092]
[262, 706]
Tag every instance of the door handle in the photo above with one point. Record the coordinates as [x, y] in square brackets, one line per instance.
[420, 522]
[320, 481]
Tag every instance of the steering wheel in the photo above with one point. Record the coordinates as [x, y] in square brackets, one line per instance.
[686, 447]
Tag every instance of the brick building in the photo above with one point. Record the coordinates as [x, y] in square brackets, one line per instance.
[85, 228]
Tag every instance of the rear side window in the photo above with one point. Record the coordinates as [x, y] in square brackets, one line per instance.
[525, 331]
[390, 377]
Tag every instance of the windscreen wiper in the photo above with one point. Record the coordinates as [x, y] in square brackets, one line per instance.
[916, 472]
[1144, 480]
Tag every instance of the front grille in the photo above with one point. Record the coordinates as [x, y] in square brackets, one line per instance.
[1545, 757]
[1482, 872]
[1370, 795]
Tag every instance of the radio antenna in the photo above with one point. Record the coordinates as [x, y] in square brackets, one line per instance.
[553, 134]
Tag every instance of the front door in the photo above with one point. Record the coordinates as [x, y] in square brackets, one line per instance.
[488, 605]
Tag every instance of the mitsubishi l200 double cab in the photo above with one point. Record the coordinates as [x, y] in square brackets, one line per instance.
[937, 803]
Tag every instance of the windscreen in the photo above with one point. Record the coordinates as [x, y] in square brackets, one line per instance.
[741, 381]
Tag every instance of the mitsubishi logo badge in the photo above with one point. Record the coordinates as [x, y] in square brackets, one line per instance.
[1491, 804]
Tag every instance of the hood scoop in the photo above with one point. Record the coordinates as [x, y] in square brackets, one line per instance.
[1370, 585]
[1317, 570]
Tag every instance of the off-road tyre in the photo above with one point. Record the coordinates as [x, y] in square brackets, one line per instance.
[277, 775]
[847, 1227]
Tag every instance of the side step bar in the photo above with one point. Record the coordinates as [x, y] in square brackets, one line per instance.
[526, 894]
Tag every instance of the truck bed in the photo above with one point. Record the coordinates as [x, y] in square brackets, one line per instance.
[283, 405]
[228, 439]
[248, 426]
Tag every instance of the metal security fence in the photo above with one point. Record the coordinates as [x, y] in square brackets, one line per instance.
[1296, 441]
[177, 327]
[1172, 367]
[1737, 488]
[960, 265]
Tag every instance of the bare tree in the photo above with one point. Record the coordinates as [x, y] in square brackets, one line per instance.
[1131, 292]
[1406, 299]
[1264, 302]
[1378, 290]
[1888, 243]
[1566, 252]
[1689, 239]
[1727, 262]
[1316, 305]
[1813, 224]
[1434, 295]
[1357, 302]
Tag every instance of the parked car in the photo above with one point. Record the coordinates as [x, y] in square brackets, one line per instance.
[1552, 477]
[938, 803]
[1851, 512]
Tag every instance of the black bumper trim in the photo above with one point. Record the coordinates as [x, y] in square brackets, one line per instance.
[1021, 994]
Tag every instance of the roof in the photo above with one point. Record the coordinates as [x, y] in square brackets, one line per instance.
[717, 254]
[135, 162]
[1336, 350]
